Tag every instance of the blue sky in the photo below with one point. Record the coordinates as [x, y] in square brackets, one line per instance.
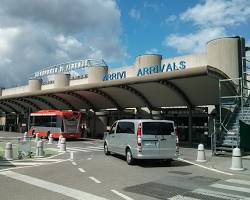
[35, 34]
[149, 26]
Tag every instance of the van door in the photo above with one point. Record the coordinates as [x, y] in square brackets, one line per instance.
[111, 138]
[150, 141]
[162, 135]
[167, 140]
[124, 134]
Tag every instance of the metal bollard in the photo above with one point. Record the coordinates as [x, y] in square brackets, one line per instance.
[8, 155]
[39, 149]
[25, 136]
[63, 145]
[51, 139]
[37, 137]
[201, 154]
[59, 140]
[236, 160]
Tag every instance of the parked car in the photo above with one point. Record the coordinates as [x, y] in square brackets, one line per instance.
[141, 139]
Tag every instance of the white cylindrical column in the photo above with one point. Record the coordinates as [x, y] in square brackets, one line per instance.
[59, 140]
[37, 137]
[63, 145]
[61, 80]
[8, 155]
[39, 149]
[148, 60]
[201, 154]
[236, 160]
[96, 73]
[51, 139]
[223, 54]
[34, 85]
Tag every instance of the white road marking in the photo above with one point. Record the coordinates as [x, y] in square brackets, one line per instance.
[89, 158]
[71, 155]
[73, 163]
[88, 142]
[218, 194]
[75, 149]
[180, 197]
[2, 170]
[94, 179]
[81, 170]
[63, 190]
[208, 168]
[121, 195]
[20, 163]
[229, 187]
[242, 182]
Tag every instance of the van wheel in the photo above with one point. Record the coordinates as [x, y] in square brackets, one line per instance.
[130, 160]
[106, 150]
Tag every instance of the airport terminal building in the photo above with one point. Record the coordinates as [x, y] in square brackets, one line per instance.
[205, 94]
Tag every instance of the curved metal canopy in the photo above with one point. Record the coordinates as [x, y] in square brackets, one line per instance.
[178, 88]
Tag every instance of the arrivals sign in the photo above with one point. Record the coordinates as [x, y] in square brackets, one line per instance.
[147, 70]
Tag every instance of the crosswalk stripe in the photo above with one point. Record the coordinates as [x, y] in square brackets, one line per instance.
[217, 194]
[243, 182]
[181, 197]
[229, 187]
[75, 149]
[89, 148]
[85, 149]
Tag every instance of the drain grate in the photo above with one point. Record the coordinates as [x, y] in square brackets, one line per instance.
[156, 190]
[180, 173]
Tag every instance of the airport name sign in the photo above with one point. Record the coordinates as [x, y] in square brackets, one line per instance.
[147, 70]
[65, 67]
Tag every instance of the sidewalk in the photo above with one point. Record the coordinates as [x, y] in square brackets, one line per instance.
[222, 163]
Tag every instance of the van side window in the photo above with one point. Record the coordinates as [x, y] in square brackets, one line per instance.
[125, 127]
[112, 130]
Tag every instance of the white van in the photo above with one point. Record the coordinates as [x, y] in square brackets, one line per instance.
[141, 139]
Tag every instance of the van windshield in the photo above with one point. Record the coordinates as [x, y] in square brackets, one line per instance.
[157, 128]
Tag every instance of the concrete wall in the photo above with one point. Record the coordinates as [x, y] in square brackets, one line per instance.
[15, 90]
[96, 73]
[191, 61]
[34, 85]
[147, 60]
[223, 54]
[61, 80]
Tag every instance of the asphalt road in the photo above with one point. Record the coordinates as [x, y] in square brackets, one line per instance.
[89, 174]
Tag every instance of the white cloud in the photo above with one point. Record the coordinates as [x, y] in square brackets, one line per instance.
[35, 34]
[135, 14]
[218, 13]
[171, 19]
[193, 42]
[211, 18]
[152, 51]
[154, 6]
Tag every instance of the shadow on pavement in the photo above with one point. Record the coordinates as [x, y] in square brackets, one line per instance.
[155, 163]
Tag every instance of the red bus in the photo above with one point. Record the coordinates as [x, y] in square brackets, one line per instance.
[55, 122]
